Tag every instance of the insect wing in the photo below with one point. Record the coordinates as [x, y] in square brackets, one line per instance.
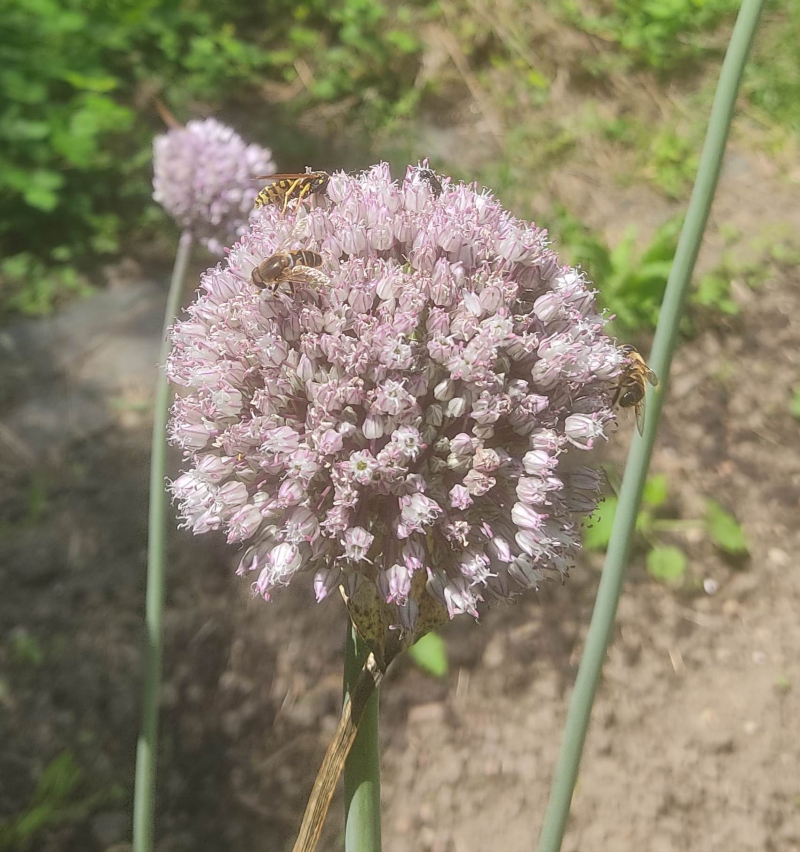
[639, 409]
[306, 275]
[651, 377]
[281, 176]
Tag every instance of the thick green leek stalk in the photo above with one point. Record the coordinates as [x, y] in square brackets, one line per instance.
[147, 748]
[362, 771]
[664, 343]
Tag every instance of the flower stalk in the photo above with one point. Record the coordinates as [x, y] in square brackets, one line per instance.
[362, 777]
[664, 344]
[147, 746]
[362, 770]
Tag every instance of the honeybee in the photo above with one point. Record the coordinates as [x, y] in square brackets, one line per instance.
[289, 267]
[433, 182]
[284, 187]
[632, 384]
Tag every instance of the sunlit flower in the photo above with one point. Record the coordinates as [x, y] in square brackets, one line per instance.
[203, 178]
[413, 416]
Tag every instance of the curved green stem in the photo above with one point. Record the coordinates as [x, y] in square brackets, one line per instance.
[146, 750]
[664, 343]
[362, 770]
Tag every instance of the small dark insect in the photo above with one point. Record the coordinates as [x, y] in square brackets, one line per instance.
[289, 267]
[632, 384]
[433, 182]
[285, 187]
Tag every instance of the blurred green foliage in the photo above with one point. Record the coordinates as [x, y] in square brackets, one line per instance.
[772, 78]
[597, 531]
[725, 531]
[56, 801]
[24, 649]
[658, 34]
[77, 79]
[666, 563]
[794, 402]
[430, 654]
[672, 162]
[631, 283]
[33, 287]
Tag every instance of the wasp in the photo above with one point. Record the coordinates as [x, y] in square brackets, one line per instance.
[433, 182]
[632, 384]
[285, 187]
[289, 267]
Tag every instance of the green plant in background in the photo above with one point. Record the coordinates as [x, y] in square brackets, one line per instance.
[24, 649]
[33, 287]
[76, 115]
[672, 162]
[666, 563]
[794, 402]
[77, 81]
[772, 80]
[634, 285]
[430, 654]
[631, 284]
[724, 530]
[56, 801]
[713, 292]
[659, 34]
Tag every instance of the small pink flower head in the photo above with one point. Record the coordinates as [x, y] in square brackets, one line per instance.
[412, 422]
[203, 178]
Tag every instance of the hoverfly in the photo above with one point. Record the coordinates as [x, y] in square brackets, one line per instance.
[285, 187]
[289, 267]
[632, 384]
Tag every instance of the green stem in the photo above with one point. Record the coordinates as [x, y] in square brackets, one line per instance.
[664, 343]
[362, 770]
[144, 797]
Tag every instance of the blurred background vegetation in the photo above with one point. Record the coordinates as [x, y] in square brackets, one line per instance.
[339, 84]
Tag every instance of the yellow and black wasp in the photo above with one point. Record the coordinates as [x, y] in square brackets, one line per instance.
[284, 188]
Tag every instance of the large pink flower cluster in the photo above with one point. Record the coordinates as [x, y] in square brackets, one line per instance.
[418, 413]
[203, 177]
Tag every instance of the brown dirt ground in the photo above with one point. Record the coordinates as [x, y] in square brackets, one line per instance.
[694, 743]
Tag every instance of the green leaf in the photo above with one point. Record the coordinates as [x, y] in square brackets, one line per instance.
[40, 192]
[644, 522]
[25, 649]
[655, 491]
[403, 40]
[724, 529]
[430, 654]
[656, 270]
[666, 564]
[794, 404]
[596, 536]
[91, 84]
[22, 130]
